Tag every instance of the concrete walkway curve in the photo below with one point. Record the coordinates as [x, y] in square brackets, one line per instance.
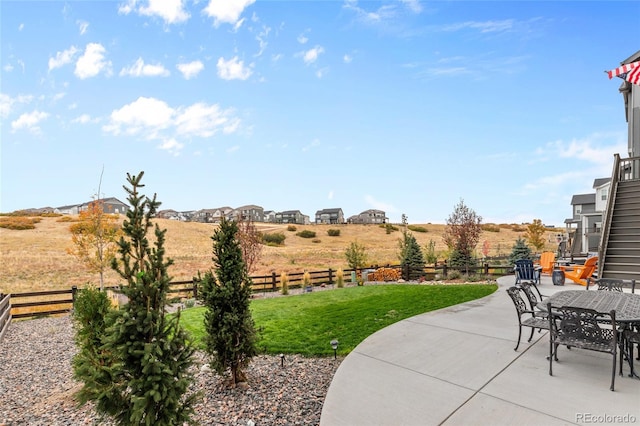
[457, 366]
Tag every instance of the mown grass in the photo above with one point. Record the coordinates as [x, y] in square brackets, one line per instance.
[305, 324]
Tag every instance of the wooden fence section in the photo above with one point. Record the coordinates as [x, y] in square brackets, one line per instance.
[5, 313]
[44, 303]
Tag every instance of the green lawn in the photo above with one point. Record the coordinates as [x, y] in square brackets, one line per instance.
[305, 324]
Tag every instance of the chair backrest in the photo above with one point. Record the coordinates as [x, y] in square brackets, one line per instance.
[514, 293]
[525, 270]
[584, 325]
[588, 267]
[607, 284]
[547, 259]
[526, 288]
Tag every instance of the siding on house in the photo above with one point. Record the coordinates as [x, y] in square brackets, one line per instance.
[369, 216]
[330, 216]
[292, 216]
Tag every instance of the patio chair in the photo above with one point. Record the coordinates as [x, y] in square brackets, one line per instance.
[547, 261]
[525, 270]
[579, 273]
[581, 328]
[531, 319]
[606, 284]
[531, 296]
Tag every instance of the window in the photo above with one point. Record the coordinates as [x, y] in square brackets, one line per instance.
[603, 196]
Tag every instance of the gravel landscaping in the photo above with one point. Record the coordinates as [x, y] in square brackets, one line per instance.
[37, 387]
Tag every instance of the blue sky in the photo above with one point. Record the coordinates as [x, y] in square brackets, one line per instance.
[403, 106]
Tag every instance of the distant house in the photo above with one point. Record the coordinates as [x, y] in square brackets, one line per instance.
[586, 223]
[369, 216]
[71, 209]
[173, 215]
[110, 205]
[203, 215]
[250, 212]
[269, 216]
[292, 216]
[330, 216]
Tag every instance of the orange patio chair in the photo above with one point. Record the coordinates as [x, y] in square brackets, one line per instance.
[547, 260]
[580, 273]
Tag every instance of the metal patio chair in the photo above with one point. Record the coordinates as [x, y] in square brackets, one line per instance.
[526, 317]
[582, 328]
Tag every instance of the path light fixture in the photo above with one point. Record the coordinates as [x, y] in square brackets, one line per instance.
[334, 346]
[281, 360]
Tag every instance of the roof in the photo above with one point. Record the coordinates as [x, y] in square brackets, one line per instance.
[373, 211]
[324, 211]
[583, 199]
[632, 58]
[599, 182]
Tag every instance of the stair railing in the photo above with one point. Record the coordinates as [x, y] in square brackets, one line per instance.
[608, 214]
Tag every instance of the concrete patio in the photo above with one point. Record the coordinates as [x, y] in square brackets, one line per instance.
[457, 366]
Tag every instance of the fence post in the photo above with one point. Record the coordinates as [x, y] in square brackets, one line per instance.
[444, 270]
[195, 289]
[273, 280]
[74, 293]
[330, 276]
[486, 269]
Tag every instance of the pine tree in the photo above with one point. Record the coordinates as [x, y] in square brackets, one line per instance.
[150, 355]
[231, 336]
[411, 257]
[520, 250]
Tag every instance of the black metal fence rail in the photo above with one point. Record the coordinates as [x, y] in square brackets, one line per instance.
[45, 303]
[5, 313]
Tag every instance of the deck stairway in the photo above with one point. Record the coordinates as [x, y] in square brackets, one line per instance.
[620, 244]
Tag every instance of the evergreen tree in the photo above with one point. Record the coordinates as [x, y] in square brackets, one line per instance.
[520, 250]
[231, 336]
[411, 257]
[148, 353]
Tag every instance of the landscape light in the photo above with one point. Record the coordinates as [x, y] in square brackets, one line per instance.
[334, 346]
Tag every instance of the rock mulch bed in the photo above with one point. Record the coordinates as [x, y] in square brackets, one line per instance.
[37, 387]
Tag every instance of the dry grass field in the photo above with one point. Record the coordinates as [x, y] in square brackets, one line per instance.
[37, 259]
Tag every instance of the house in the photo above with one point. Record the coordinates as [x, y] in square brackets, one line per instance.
[250, 212]
[330, 216]
[204, 215]
[110, 205]
[269, 216]
[584, 226]
[369, 216]
[70, 209]
[292, 216]
[619, 251]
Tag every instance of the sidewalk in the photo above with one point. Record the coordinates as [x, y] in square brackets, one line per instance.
[457, 366]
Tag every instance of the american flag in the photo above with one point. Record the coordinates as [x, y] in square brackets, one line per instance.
[629, 72]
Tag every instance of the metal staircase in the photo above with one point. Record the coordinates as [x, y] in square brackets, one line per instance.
[620, 244]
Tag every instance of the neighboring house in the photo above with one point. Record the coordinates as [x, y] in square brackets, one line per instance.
[110, 205]
[582, 226]
[369, 216]
[174, 215]
[250, 212]
[269, 216]
[292, 216]
[203, 215]
[71, 209]
[330, 216]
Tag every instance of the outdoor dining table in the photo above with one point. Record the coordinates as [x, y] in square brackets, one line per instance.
[626, 305]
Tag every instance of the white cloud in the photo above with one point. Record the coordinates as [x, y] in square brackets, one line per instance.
[262, 39]
[171, 11]
[83, 26]
[190, 69]
[330, 195]
[233, 69]
[226, 11]
[7, 103]
[379, 205]
[29, 121]
[311, 55]
[148, 115]
[153, 119]
[20, 27]
[232, 149]
[413, 5]
[58, 96]
[302, 39]
[82, 119]
[322, 72]
[203, 120]
[347, 59]
[8, 68]
[483, 27]
[172, 146]
[92, 62]
[140, 69]
[314, 143]
[62, 58]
